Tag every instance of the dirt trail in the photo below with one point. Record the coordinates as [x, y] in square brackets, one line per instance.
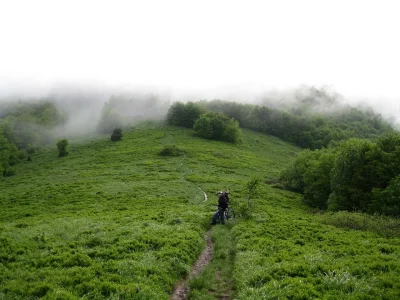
[182, 290]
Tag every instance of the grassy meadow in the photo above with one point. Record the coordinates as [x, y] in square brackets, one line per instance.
[115, 220]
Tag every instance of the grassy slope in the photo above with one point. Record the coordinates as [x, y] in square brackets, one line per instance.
[115, 220]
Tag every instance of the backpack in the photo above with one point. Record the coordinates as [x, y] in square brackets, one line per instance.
[223, 202]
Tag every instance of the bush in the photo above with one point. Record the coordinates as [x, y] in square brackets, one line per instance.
[116, 135]
[171, 150]
[216, 126]
[185, 115]
[387, 201]
[30, 149]
[242, 210]
[9, 171]
[62, 147]
[383, 225]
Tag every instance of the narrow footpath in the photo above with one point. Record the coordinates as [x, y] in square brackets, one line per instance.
[182, 289]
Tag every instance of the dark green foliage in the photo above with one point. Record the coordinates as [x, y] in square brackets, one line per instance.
[387, 201]
[353, 176]
[317, 183]
[9, 156]
[305, 126]
[171, 150]
[62, 147]
[252, 187]
[293, 177]
[30, 149]
[216, 126]
[4, 153]
[9, 171]
[116, 135]
[382, 225]
[180, 114]
[357, 175]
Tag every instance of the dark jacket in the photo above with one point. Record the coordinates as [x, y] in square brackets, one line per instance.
[223, 201]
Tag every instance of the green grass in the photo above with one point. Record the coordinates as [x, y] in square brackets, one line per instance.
[116, 220]
[285, 252]
[215, 282]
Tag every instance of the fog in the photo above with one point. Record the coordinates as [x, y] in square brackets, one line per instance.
[83, 103]
[82, 52]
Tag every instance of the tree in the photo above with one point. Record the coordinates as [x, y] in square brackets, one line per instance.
[317, 178]
[387, 201]
[217, 126]
[252, 187]
[174, 113]
[4, 154]
[62, 147]
[353, 175]
[116, 135]
[185, 115]
[293, 177]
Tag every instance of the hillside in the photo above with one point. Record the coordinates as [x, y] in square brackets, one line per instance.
[115, 220]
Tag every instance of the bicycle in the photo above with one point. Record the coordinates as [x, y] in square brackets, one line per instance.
[228, 214]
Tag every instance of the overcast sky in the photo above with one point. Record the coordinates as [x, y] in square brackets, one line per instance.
[351, 46]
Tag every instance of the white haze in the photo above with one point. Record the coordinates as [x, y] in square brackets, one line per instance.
[82, 52]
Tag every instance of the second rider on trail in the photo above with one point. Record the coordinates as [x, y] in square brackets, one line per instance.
[223, 203]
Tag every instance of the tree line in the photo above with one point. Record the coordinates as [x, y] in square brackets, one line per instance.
[302, 125]
[356, 175]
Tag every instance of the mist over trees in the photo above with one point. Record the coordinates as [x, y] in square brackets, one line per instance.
[302, 125]
[122, 111]
[206, 124]
[24, 126]
[29, 123]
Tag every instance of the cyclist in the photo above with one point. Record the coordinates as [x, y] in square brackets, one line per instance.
[223, 202]
[226, 195]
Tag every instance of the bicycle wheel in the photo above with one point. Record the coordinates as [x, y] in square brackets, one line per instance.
[230, 214]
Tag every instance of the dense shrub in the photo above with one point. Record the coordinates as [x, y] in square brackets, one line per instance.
[9, 171]
[180, 114]
[216, 126]
[4, 153]
[383, 225]
[352, 176]
[357, 175]
[9, 156]
[116, 135]
[293, 177]
[387, 201]
[171, 150]
[62, 147]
